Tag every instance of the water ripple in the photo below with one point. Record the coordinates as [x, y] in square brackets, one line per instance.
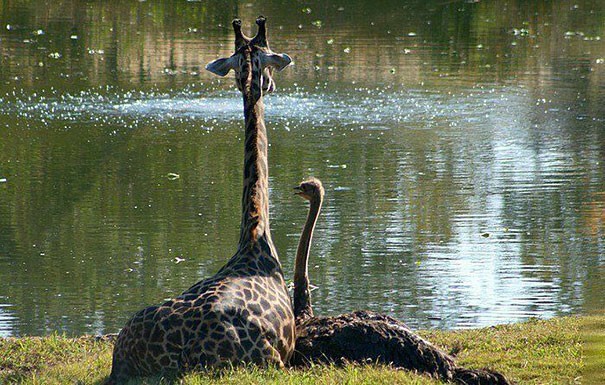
[371, 109]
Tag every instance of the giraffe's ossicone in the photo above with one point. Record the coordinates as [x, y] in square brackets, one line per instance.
[243, 314]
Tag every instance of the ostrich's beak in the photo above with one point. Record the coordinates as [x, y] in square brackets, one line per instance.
[298, 190]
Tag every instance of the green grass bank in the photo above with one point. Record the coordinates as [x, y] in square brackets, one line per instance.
[568, 350]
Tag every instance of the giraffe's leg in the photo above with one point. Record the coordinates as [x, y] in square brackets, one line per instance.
[275, 359]
[269, 356]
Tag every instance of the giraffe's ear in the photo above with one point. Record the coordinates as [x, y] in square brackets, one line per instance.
[222, 66]
[275, 60]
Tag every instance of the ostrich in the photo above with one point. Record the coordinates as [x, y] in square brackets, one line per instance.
[363, 336]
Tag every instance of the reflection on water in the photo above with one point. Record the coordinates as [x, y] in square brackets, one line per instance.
[462, 147]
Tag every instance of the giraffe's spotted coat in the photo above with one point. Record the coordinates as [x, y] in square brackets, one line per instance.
[237, 316]
[243, 314]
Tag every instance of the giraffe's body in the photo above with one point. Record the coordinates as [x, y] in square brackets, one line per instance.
[243, 314]
[246, 301]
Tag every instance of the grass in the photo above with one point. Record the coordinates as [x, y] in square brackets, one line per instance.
[569, 350]
[593, 341]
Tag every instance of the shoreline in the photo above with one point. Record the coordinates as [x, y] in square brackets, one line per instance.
[560, 350]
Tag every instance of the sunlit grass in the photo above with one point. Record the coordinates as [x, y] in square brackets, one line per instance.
[534, 352]
[593, 338]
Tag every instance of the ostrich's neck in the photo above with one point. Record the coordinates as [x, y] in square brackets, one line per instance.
[255, 198]
[302, 294]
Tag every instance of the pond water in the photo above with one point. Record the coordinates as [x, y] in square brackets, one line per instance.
[461, 144]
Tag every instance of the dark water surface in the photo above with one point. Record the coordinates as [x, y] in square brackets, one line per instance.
[462, 146]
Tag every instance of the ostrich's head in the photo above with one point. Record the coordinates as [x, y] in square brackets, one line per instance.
[253, 62]
[310, 189]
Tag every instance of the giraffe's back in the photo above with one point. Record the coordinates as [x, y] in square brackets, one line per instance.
[235, 317]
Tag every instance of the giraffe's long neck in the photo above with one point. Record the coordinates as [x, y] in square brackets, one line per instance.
[255, 199]
[302, 293]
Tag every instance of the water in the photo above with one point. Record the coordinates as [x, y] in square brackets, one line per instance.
[461, 144]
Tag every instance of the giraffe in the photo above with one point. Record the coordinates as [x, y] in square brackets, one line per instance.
[242, 314]
[364, 336]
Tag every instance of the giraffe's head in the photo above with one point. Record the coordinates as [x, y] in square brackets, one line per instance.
[310, 189]
[253, 61]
